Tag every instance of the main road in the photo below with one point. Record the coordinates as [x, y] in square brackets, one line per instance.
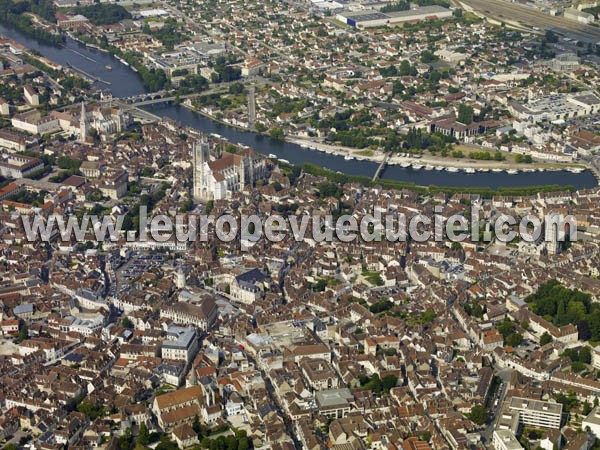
[506, 11]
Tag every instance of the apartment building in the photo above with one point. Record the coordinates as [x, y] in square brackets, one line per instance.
[537, 413]
[505, 440]
[592, 421]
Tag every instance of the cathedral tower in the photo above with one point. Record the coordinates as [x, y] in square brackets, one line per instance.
[200, 159]
[83, 130]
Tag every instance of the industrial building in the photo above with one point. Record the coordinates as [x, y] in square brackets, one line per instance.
[373, 18]
[579, 16]
[557, 107]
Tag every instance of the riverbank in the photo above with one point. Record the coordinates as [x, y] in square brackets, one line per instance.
[431, 162]
[187, 104]
[299, 151]
[388, 183]
[125, 83]
[432, 189]
[425, 162]
[23, 23]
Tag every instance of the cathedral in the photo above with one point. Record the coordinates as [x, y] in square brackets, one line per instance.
[105, 120]
[219, 178]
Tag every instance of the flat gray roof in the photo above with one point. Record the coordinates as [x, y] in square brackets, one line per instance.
[593, 417]
[530, 404]
[179, 337]
[434, 9]
[334, 397]
[508, 439]
[363, 17]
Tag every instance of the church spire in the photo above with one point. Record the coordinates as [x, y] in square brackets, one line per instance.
[82, 124]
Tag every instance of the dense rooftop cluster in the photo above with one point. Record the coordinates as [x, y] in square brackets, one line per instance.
[129, 344]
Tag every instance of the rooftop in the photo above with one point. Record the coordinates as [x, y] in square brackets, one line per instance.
[334, 397]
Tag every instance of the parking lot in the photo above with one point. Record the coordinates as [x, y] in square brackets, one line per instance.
[7, 346]
[137, 265]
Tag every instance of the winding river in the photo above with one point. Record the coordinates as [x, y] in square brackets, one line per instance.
[121, 81]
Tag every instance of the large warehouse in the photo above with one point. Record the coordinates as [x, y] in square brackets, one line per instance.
[557, 107]
[374, 18]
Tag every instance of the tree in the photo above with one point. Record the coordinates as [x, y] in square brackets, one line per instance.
[585, 355]
[560, 310]
[569, 400]
[196, 424]
[477, 310]
[479, 414]
[193, 83]
[93, 134]
[585, 333]
[389, 382]
[577, 366]
[465, 114]
[373, 383]
[23, 333]
[545, 339]
[396, 6]
[166, 444]
[276, 133]
[506, 328]
[124, 441]
[514, 339]
[406, 69]
[243, 442]
[236, 88]
[143, 435]
[398, 88]
[90, 409]
[427, 57]
[428, 316]
[187, 205]
[104, 14]
[231, 442]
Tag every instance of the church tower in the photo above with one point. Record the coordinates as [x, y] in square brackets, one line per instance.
[193, 378]
[251, 107]
[83, 124]
[200, 156]
[180, 283]
[243, 173]
[552, 238]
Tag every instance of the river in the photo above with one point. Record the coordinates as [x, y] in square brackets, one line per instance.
[124, 82]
